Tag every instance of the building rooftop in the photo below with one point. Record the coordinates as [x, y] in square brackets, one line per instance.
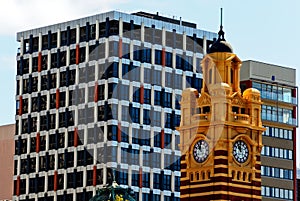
[148, 19]
[268, 72]
[165, 19]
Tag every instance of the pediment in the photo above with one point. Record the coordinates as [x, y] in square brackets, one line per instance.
[204, 99]
[237, 99]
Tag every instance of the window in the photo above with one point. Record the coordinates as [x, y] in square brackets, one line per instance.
[124, 92]
[123, 177]
[135, 136]
[146, 117]
[101, 92]
[167, 100]
[125, 113]
[169, 59]
[113, 48]
[147, 76]
[156, 180]
[134, 73]
[167, 182]
[156, 118]
[134, 156]
[168, 140]
[169, 79]
[157, 36]
[179, 62]
[111, 90]
[112, 70]
[145, 137]
[79, 179]
[157, 98]
[113, 27]
[277, 152]
[146, 55]
[136, 94]
[124, 134]
[156, 160]
[126, 51]
[125, 71]
[157, 139]
[168, 120]
[54, 59]
[146, 180]
[197, 83]
[124, 155]
[112, 132]
[135, 178]
[146, 197]
[147, 96]
[146, 159]
[136, 53]
[177, 100]
[188, 63]
[53, 40]
[156, 77]
[70, 180]
[277, 192]
[158, 59]
[135, 114]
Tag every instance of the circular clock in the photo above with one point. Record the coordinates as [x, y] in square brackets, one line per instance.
[200, 151]
[240, 151]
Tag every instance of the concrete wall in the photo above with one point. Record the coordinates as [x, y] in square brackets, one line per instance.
[6, 161]
[263, 71]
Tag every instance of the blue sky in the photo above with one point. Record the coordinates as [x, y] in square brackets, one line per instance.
[265, 31]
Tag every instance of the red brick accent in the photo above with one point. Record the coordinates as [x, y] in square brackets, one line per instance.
[18, 186]
[57, 98]
[40, 62]
[38, 142]
[141, 178]
[162, 139]
[75, 137]
[142, 94]
[96, 92]
[119, 137]
[120, 48]
[77, 54]
[94, 175]
[55, 180]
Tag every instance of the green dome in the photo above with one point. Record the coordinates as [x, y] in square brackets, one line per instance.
[113, 193]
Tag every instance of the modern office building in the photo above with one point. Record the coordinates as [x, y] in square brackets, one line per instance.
[100, 95]
[6, 161]
[278, 89]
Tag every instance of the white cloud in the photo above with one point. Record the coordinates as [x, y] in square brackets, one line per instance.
[18, 15]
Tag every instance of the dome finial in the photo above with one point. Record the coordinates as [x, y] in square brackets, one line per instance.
[221, 32]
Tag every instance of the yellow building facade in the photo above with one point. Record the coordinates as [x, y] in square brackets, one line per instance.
[220, 132]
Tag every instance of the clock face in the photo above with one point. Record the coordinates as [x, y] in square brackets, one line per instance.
[200, 151]
[240, 151]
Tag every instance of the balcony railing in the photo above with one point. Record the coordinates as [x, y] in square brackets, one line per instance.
[242, 118]
[201, 118]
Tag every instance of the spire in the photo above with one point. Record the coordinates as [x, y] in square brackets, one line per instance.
[220, 45]
[221, 32]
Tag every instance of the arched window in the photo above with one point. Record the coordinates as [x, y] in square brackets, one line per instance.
[210, 76]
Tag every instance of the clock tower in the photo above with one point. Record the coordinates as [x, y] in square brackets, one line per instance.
[220, 132]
